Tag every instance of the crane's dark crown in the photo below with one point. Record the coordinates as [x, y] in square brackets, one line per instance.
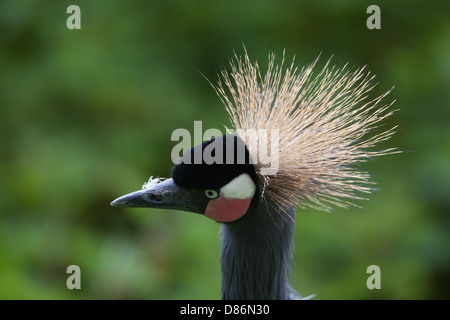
[229, 156]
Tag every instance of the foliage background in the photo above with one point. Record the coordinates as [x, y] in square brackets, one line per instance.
[87, 115]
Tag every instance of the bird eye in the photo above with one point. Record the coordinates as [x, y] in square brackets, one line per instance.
[212, 194]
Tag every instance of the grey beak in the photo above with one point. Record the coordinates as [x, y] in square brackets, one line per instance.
[164, 195]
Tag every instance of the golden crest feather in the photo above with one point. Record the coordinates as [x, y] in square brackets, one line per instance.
[327, 125]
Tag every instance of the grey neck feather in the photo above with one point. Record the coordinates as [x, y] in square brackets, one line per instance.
[256, 254]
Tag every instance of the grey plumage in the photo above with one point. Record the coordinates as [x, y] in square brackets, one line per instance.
[256, 254]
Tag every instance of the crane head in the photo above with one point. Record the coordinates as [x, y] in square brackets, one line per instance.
[323, 124]
[216, 178]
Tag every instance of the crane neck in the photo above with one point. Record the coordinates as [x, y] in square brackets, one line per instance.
[256, 255]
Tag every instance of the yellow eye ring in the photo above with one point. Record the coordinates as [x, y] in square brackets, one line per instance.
[211, 194]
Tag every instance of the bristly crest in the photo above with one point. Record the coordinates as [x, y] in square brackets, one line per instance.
[326, 124]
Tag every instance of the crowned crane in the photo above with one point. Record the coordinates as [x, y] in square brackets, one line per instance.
[324, 124]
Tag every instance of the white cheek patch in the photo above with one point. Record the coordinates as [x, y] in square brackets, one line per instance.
[241, 187]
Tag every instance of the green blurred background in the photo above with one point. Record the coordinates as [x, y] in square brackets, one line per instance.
[87, 115]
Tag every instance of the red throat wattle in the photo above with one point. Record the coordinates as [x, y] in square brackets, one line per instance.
[225, 209]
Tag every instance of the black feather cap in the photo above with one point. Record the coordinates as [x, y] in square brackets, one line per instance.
[213, 164]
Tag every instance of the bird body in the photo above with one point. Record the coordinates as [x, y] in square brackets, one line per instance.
[321, 124]
[256, 254]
